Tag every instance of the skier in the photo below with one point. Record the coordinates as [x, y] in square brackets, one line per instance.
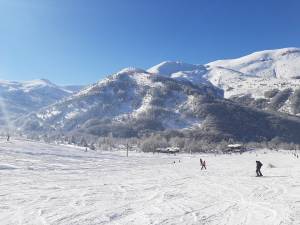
[203, 164]
[258, 166]
[8, 137]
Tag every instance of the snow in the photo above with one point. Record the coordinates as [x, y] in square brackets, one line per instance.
[251, 74]
[23, 98]
[140, 76]
[181, 71]
[27, 86]
[235, 145]
[48, 114]
[131, 70]
[256, 73]
[255, 86]
[71, 115]
[169, 67]
[52, 184]
[195, 76]
[142, 79]
[279, 63]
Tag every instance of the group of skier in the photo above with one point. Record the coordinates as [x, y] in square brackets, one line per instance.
[258, 167]
[203, 163]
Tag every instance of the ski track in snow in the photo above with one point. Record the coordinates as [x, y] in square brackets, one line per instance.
[42, 184]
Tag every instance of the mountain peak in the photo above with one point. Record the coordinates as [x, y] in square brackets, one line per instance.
[45, 81]
[38, 82]
[167, 68]
[131, 70]
[279, 63]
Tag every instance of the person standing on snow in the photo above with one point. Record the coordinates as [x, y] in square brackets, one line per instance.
[258, 166]
[203, 164]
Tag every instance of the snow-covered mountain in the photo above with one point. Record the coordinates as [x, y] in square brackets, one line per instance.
[127, 103]
[181, 71]
[253, 76]
[134, 102]
[258, 74]
[183, 97]
[281, 63]
[21, 98]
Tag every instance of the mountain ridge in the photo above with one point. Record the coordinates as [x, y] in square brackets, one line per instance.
[185, 98]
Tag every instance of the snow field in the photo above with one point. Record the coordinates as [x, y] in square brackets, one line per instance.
[50, 184]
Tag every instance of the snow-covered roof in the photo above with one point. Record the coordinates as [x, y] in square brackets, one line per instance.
[234, 146]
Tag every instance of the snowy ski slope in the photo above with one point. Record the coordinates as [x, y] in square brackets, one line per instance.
[49, 184]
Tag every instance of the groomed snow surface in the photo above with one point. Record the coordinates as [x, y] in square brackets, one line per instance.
[50, 184]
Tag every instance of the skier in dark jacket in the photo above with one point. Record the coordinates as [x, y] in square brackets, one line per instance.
[258, 166]
[203, 164]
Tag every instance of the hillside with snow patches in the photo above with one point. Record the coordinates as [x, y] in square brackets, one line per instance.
[173, 96]
[126, 104]
[20, 98]
[253, 76]
[170, 96]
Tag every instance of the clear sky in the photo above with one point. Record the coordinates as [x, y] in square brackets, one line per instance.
[82, 41]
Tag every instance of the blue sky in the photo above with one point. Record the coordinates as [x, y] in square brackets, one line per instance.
[82, 41]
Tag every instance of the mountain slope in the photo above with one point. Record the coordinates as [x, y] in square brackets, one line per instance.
[186, 98]
[181, 71]
[21, 98]
[251, 76]
[134, 102]
[281, 63]
[127, 104]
